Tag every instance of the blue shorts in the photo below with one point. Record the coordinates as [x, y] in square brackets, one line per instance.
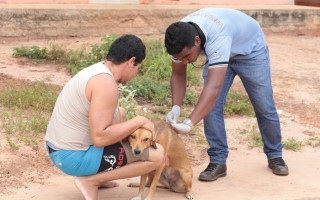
[77, 163]
[93, 160]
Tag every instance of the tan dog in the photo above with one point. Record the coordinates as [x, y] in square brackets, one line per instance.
[175, 173]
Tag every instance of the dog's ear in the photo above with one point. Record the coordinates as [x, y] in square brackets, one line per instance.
[125, 139]
[153, 144]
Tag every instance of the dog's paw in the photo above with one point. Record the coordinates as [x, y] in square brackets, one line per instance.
[137, 198]
[189, 196]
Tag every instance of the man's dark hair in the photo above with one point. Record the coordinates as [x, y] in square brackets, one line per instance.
[126, 47]
[179, 35]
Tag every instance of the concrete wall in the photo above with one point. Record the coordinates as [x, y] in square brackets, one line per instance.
[114, 1]
[181, 2]
[98, 20]
[220, 2]
[44, 1]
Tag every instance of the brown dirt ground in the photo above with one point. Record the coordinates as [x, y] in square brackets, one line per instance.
[28, 172]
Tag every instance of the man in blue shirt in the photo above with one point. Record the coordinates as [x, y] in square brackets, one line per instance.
[234, 44]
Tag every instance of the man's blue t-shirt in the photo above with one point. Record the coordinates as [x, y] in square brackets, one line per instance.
[228, 33]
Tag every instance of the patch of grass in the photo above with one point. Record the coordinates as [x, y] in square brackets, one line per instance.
[184, 113]
[198, 136]
[191, 97]
[37, 96]
[313, 141]
[12, 145]
[25, 127]
[154, 76]
[127, 101]
[292, 144]
[255, 139]
[75, 60]
[36, 53]
[238, 103]
[28, 110]
[30, 141]
[148, 88]
[159, 92]
[157, 64]
[18, 121]
[38, 122]
[154, 111]
[79, 59]
[84, 57]
[57, 54]
[6, 122]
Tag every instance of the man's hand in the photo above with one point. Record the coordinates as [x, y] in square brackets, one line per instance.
[173, 115]
[184, 127]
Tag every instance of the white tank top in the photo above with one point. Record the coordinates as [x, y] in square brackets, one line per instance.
[68, 127]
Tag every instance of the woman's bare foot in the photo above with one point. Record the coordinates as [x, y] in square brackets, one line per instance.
[109, 184]
[87, 189]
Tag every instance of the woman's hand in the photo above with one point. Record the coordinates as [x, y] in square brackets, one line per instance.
[149, 125]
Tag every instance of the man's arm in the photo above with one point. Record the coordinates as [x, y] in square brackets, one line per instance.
[178, 82]
[102, 92]
[209, 94]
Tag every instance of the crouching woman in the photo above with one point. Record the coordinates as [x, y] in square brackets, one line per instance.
[86, 129]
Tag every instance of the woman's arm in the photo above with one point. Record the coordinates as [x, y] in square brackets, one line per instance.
[102, 92]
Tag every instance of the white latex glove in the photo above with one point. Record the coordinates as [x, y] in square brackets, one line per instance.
[173, 115]
[184, 127]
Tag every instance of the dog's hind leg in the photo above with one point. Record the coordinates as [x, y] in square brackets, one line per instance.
[187, 178]
[163, 181]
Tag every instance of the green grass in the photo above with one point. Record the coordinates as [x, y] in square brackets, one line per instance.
[198, 137]
[152, 81]
[292, 144]
[38, 95]
[27, 113]
[127, 101]
[238, 103]
[12, 144]
[255, 139]
[24, 125]
[313, 141]
[157, 65]
[36, 53]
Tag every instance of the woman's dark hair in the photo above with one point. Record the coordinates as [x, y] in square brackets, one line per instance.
[179, 35]
[126, 47]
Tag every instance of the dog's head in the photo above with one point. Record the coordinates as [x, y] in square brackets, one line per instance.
[140, 140]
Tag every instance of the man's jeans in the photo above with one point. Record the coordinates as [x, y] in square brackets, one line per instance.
[255, 76]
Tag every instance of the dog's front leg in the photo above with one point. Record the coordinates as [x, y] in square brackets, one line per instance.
[143, 181]
[155, 182]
